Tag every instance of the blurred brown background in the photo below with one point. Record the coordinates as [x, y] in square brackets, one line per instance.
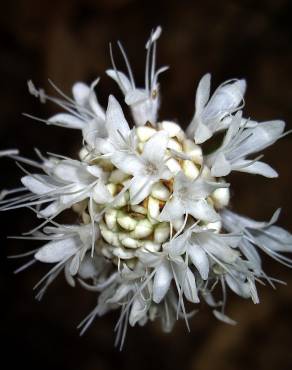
[68, 41]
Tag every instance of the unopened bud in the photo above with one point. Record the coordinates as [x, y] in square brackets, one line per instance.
[190, 169]
[125, 221]
[143, 229]
[161, 232]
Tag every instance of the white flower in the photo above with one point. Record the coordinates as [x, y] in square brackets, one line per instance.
[272, 239]
[148, 168]
[120, 143]
[238, 143]
[211, 111]
[144, 103]
[189, 197]
[153, 227]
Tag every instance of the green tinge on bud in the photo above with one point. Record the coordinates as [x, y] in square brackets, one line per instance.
[125, 221]
[221, 197]
[159, 191]
[193, 150]
[190, 169]
[161, 232]
[144, 133]
[143, 229]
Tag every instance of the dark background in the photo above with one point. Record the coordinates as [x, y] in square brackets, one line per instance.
[68, 41]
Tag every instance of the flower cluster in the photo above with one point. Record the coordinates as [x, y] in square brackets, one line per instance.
[152, 231]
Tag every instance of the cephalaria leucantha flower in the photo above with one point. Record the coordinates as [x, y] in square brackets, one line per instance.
[154, 231]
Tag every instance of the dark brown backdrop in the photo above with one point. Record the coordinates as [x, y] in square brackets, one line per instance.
[68, 41]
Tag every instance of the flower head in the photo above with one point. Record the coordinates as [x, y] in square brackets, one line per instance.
[153, 227]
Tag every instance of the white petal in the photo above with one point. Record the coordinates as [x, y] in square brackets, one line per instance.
[172, 210]
[138, 310]
[220, 316]
[202, 210]
[202, 133]
[188, 284]
[220, 167]
[68, 120]
[140, 188]
[56, 251]
[257, 168]
[203, 92]
[81, 93]
[38, 184]
[162, 280]
[225, 99]
[200, 260]
[121, 79]
[115, 119]
[263, 135]
[155, 147]
[135, 96]
[101, 194]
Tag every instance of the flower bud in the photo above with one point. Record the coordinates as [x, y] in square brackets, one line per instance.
[173, 129]
[173, 165]
[175, 145]
[153, 208]
[128, 241]
[190, 169]
[125, 221]
[221, 197]
[193, 150]
[143, 229]
[144, 133]
[161, 232]
[110, 217]
[159, 191]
